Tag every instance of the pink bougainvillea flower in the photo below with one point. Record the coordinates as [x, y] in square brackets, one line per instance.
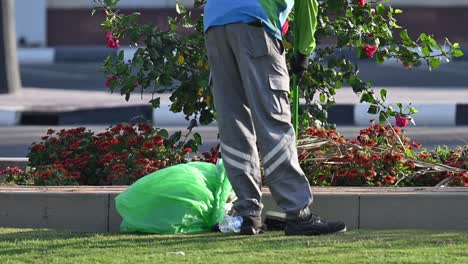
[112, 42]
[109, 79]
[370, 50]
[285, 28]
[402, 121]
[362, 3]
[187, 150]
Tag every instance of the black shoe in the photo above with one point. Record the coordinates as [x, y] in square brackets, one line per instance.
[313, 226]
[252, 225]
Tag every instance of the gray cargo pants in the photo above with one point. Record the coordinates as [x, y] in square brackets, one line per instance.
[251, 96]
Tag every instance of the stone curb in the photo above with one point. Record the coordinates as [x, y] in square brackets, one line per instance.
[91, 209]
[448, 115]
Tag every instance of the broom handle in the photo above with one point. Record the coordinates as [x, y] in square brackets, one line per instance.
[295, 98]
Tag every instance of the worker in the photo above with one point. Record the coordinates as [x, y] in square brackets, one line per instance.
[250, 86]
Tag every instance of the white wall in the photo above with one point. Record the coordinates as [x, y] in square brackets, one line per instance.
[31, 20]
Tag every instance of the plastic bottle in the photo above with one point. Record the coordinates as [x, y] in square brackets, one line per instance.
[231, 224]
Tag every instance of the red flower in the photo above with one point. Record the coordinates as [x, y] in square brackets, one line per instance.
[389, 179]
[50, 131]
[112, 42]
[132, 142]
[370, 173]
[144, 127]
[370, 35]
[187, 150]
[402, 121]
[109, 79]
[46, 174]
[416, 144]
[411, 164]
[362, 3]
[354, 173]
[74, 146]
[148, 145]
[342, 172]
[303, 155]
[370, 50]
[285, 28]
[158, 140]
[38, 147]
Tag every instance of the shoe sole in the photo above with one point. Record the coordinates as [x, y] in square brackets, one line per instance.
[250, 231]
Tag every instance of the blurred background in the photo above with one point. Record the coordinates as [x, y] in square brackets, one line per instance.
[60, 48]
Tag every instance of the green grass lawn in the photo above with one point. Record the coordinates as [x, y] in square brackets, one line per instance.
[46, 246]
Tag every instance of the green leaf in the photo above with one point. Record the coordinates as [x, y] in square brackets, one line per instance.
[155, 102]
[390, 112]
[373, 109]
[191, 144]
[175, 137]
[197, 138]
[180, 9]
[338, 84]
[456, 45]
[426, 51]
[163, 133]
[413, 110]
[193, 123]
[382, 117]
[435, 62]
[398, 11]
[383, 94]
[380, 9]
[400, 105]
[322, 98]
[456, 53]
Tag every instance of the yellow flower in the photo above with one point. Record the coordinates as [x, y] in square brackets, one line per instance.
[287, 44]
[200, 64]
[200, 91]
[180, 60]
[208, 100]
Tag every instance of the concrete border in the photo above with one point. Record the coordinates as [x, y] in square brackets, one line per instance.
[91, 209]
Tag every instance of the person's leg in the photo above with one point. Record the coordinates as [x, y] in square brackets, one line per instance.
[238, 140]
[265, 78]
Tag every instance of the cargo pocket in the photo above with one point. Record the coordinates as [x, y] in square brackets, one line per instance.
[258, 41]
[279, 86]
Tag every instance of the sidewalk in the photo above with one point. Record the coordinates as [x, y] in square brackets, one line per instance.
[39, 106]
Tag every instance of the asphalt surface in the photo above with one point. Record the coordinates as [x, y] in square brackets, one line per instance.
[14, 141]
[90, 76]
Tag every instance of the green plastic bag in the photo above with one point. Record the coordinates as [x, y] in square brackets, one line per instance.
[186, 198]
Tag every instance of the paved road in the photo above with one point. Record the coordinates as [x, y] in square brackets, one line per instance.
[90, 76]
[14, 141]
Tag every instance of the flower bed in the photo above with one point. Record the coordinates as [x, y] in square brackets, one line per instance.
[119, 156]
[379, 156]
